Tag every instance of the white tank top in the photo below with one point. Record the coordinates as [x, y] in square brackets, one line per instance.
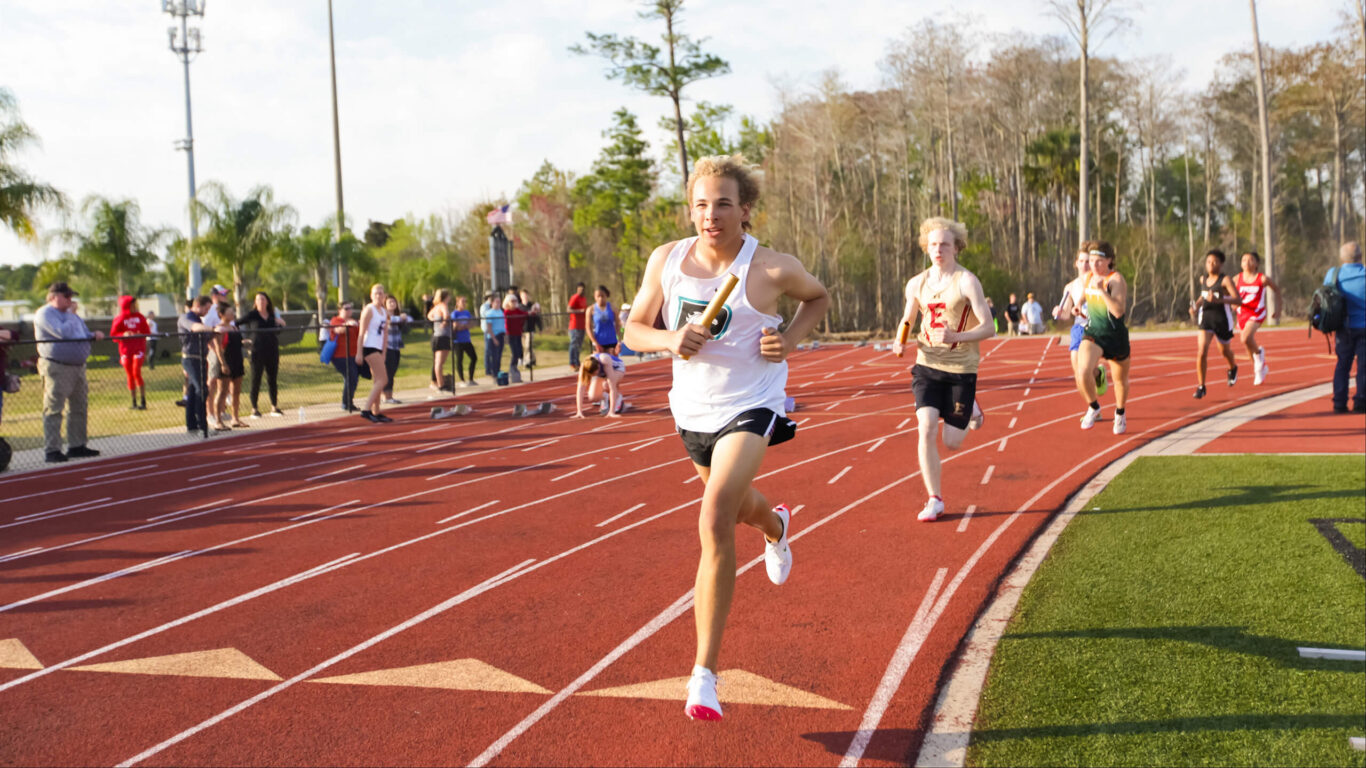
[728, 376]
[1077, 290]
[374, 331]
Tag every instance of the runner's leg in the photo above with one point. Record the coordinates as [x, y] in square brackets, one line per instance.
[1086, 382]
[928, 420]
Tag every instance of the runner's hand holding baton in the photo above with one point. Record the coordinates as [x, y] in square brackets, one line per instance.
[902, 333]
[692, 341]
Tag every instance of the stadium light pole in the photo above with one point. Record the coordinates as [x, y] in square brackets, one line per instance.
[185, 43]
[336, 158]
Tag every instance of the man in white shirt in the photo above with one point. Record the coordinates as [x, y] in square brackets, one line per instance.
[1032, 316]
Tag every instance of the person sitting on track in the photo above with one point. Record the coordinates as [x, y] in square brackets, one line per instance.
[1213, 314]
[374, 329]
[132, 352]
[1252, 285]
[1074, 304]
[600, 371]
[1107, 337]
[728, 397]
[946, 358]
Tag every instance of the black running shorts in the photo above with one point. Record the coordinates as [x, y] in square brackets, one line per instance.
[760, 421]
[1215, 319]
[949, 393]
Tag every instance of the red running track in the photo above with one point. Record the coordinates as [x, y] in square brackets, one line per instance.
[559, 554]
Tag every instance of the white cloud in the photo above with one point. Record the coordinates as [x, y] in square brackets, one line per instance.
[443, 104]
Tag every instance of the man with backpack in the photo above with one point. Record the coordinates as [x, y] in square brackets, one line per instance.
[1349, 279]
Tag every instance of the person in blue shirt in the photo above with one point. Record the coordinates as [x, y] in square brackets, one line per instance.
[495, 335]
[604, 323]
[1351, 341]
[461, 317]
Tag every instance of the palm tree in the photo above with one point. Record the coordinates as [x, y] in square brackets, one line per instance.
[115, 246]
[240, 232]
[20, 194]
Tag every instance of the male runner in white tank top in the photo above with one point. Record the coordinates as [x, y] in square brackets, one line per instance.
[945, 372]
[727, 399]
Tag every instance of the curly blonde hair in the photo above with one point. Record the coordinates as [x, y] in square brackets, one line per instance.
[960, 232]
[731, 167]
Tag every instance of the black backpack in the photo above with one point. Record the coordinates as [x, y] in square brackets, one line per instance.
[1328, 308]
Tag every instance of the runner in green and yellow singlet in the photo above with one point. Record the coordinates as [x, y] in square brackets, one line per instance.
[1106, 334]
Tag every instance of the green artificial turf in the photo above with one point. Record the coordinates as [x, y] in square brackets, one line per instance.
[1162, 629]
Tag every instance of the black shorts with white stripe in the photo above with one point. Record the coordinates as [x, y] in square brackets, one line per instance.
[759, 421]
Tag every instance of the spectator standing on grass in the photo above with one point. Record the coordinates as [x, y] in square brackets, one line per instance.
[578, 307]
[194, 347]
[992, 308]
[439, 320]
[1351, 340]
[217, 295]
[495, 335]
[231, 368]
[514, 319]
[533, 327]
[1032, 312]
[1012, 315]
[374, 329]
[129, 322]
[398, 324]
[346, 332]
[606, 325]
[62, 367]
[6, 336]
[184, 378]
[265, 324]
[152, 335]
[460, 330]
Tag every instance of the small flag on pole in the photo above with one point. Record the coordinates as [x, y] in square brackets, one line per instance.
[501, 215]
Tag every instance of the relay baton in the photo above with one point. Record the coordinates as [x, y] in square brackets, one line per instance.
[901, 334]
[717, 303]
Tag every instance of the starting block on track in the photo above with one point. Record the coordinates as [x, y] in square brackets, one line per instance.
[521, 410]
[455, 410]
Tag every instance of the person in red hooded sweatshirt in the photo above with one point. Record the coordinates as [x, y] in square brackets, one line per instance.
[132, 351]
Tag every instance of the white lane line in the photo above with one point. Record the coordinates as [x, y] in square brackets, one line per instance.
[540, 445]
[434, 446]
[829, 375]
[861, 391]
[571, 474]
[805, 385]
[832, 406]
[435, 610]
[905, 653]
[646, 445]
[226, 472]
[196, 508]
[121, 472]
[963, 524]
[692, 479]
[1002, 447]
[485, 505]
[803, 421]
[337, 472]
[1026, 392]
[340, 446]
[451, 472]
[215, 608]
[28, 551]
[54, 511]
[987, 477]
[1013, 419]
[1020, 407]
[614, 518]
[904, 422]
[317, 512]
[837, 476]
[877, 445]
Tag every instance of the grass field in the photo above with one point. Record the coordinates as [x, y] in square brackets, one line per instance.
[303, 381]
[1163, 627]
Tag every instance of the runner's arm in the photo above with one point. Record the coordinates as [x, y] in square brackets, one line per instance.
[912, 310]
[1116, 295]
[985, 329]
[795, 282]
[1231, 295]
[1276, 303]
[640, 333]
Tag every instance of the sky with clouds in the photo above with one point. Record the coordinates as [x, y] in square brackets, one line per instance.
[444, 104]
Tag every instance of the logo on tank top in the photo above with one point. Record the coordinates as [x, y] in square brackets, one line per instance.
[691, 310]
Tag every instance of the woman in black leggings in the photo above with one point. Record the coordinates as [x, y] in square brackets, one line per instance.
[264, 323]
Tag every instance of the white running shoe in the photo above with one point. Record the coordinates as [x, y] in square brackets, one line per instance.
[702, 702]
[1089, 420]
[1120, 425]
[1262, 370]
[978, 418]
[777, 554]
[933, 509]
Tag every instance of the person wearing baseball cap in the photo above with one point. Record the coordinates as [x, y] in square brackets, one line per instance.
[62, 367]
